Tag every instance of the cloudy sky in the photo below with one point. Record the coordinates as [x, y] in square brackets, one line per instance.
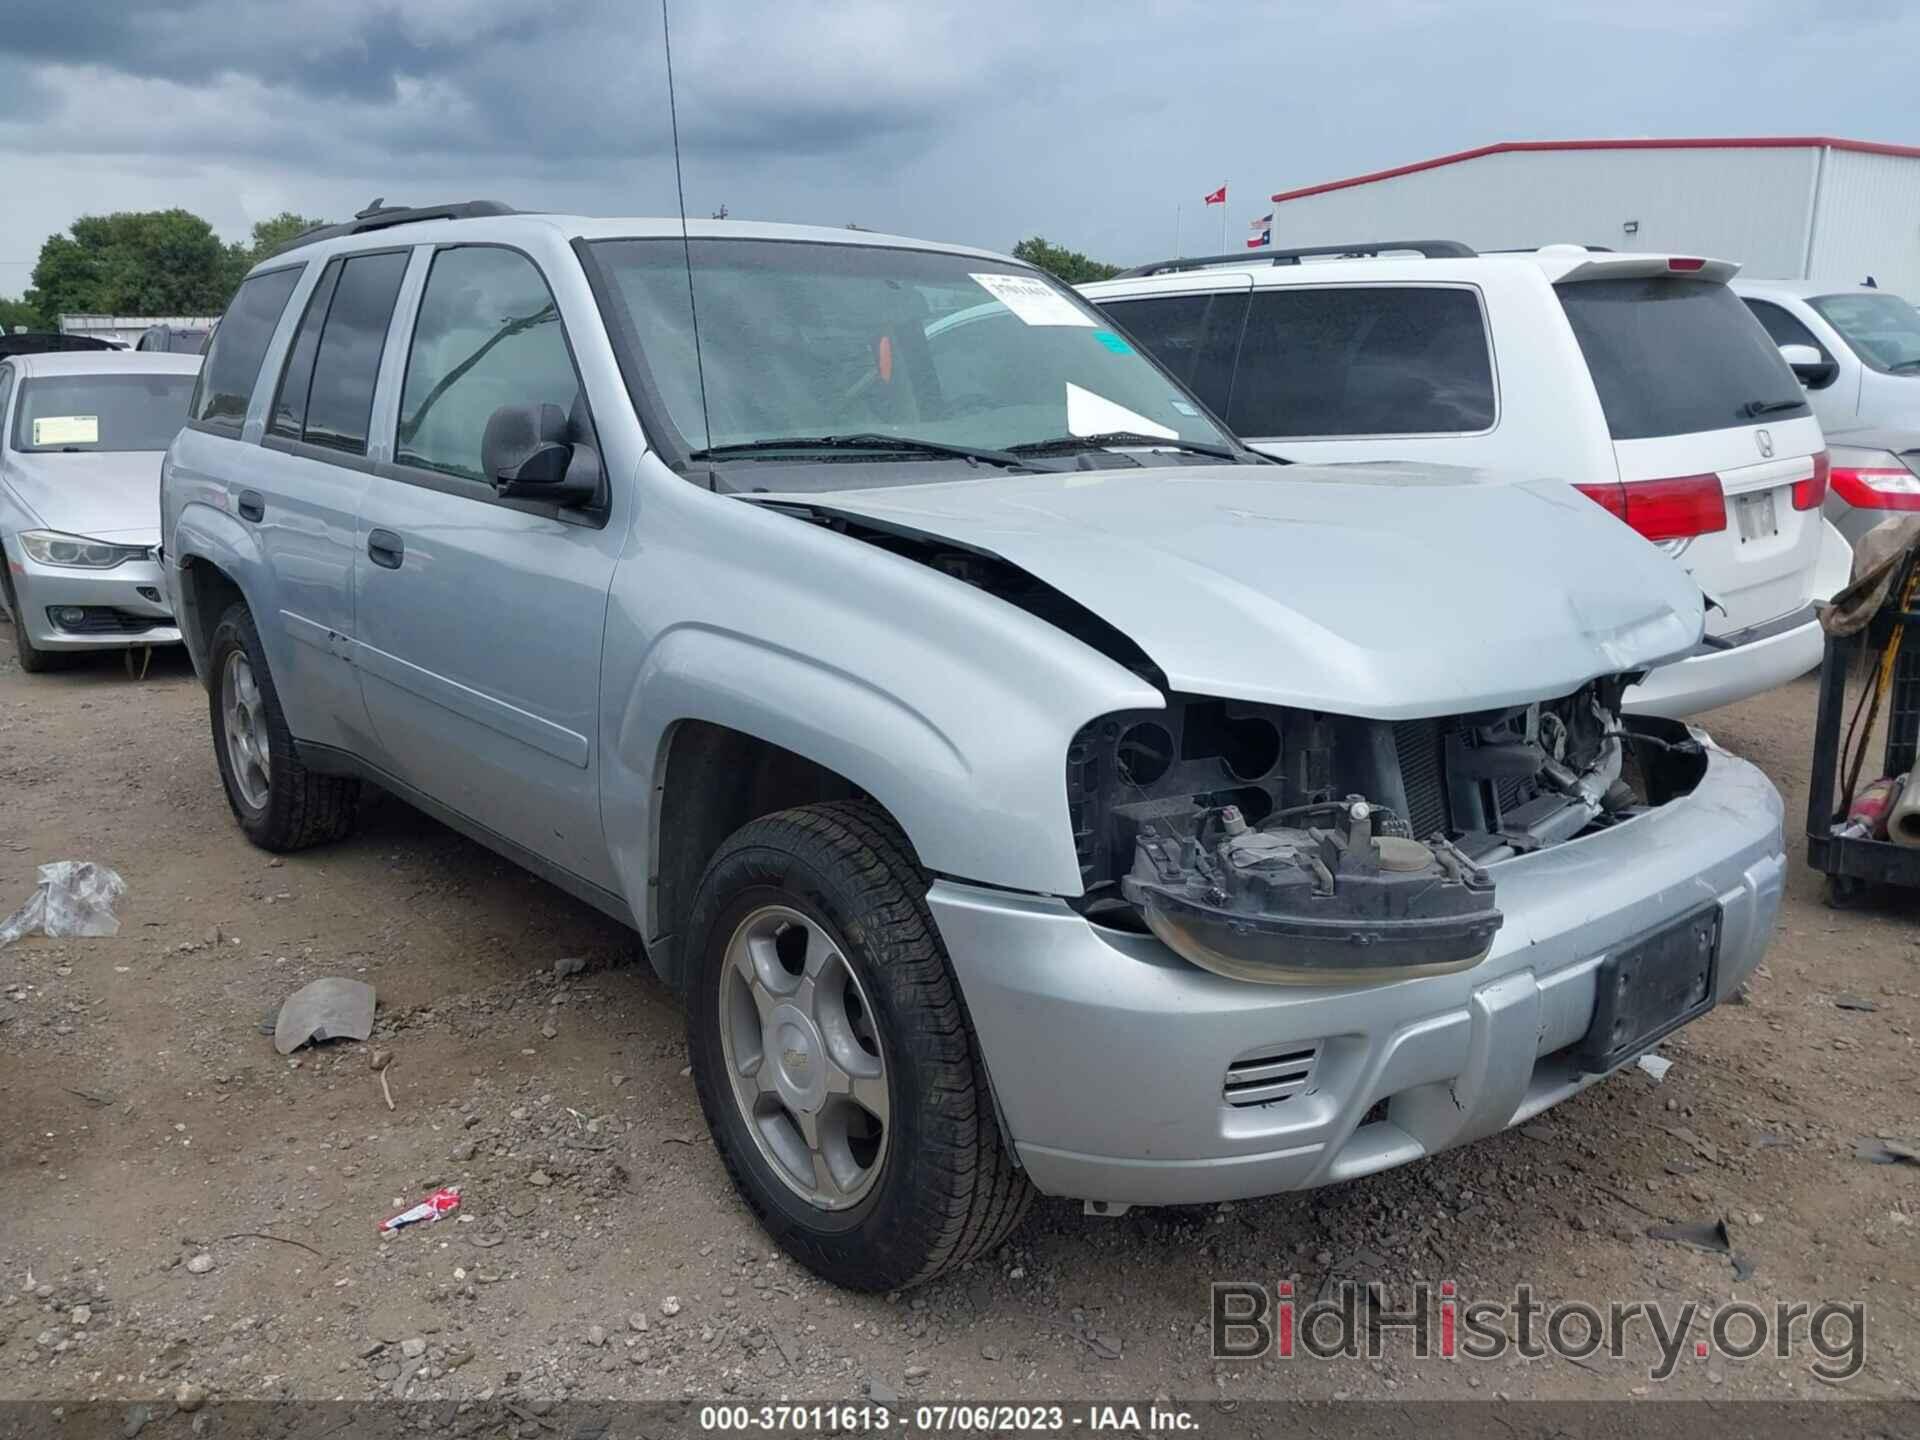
[971, 120]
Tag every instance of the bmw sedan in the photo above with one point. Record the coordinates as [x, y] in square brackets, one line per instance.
[81, 439]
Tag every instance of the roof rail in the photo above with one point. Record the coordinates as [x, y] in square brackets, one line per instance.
[378, 216]
[1536, 249]
[1432, 249]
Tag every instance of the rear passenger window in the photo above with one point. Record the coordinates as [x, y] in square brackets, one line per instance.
[239, 345]
[340, 397]
[288, 418]
[1355, 361]
[488, 334]
[1193, 336]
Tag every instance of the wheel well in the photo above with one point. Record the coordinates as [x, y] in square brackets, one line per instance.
[207, 592]
[714, 780]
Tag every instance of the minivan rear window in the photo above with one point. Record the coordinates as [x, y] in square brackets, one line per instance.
[239, 345]
[1676, 356]
[1341, 360]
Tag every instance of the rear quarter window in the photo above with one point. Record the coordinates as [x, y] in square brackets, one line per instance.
[1675, 357]
[1345, 361]
[233, 360]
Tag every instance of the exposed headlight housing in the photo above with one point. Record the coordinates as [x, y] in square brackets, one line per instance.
[77, 552]
[1286, 846]
[1303, 904]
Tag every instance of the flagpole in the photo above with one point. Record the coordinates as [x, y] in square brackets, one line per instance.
[1176, 229]
[1223, 226]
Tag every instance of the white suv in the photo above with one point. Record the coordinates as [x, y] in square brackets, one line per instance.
[1639, 379]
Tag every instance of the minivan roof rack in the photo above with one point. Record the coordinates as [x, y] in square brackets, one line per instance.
[1431, 249]
[380, 216]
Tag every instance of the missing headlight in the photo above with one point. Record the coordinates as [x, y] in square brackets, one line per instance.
[1230, 830]
[1314, 896]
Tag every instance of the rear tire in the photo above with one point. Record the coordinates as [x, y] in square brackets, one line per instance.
[280, 803]
[833, 890]
[33, 660]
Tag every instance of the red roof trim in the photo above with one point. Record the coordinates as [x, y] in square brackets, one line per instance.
[1510, 147]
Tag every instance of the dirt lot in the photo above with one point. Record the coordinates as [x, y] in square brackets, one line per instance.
[600, 1251]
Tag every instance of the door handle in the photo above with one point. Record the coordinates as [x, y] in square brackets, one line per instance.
[385, 548]
[252, 507]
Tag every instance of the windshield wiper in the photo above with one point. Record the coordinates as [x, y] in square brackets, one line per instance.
[1900, 367]
[1754, 409]
[871, 442]
[1067, 444]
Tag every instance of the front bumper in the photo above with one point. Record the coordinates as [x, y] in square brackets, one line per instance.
[127, 604]
[1109, 1055]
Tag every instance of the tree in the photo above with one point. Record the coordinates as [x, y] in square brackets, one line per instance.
[270, 235]
[146, 262]
[1068, 265]
[19, 312]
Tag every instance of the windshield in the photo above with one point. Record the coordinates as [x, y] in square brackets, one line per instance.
[100, 412]
[816, 340]
[1882, 330]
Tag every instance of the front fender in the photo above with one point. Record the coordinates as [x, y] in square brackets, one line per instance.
[952, 708]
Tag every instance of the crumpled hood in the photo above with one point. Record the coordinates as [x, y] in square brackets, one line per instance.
[110, 495]
[1386, 591]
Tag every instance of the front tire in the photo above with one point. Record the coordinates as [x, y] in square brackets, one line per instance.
[33, 660]
[833, 1055]
[280, 803]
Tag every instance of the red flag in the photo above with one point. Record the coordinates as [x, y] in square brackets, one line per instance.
[1218, 197]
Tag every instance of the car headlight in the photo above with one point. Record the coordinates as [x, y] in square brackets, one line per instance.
[77, 552]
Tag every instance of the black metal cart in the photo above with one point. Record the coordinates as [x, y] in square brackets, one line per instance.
[1853, 863]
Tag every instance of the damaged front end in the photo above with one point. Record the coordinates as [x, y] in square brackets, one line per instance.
[1295, 847]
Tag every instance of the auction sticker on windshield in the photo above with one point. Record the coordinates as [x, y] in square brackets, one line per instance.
[66, 430]
[1034, 301]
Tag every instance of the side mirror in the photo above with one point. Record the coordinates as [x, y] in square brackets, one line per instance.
[1807, 366]
[528, 454]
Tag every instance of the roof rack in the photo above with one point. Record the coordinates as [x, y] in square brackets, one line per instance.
[379, 216]
[1432, 249]
[1536, 249]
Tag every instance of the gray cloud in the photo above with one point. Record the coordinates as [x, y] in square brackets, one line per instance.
[976, 121]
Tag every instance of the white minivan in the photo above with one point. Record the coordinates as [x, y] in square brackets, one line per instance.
[1639, 379]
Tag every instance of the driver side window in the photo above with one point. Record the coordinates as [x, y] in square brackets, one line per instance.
[488, 334]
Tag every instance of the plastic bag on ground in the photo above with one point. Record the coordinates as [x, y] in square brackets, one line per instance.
[74, 897]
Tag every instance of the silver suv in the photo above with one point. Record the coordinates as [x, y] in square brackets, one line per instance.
[1027, 785]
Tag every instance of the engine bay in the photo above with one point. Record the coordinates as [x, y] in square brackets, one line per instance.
[1295, 846]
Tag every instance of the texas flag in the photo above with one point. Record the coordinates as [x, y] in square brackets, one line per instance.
[1218, 197]
[1265, 237]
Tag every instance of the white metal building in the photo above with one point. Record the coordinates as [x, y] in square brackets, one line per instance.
[1796, 207]
[127, 329]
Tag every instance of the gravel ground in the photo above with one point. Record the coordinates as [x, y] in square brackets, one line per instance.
[188, 1214]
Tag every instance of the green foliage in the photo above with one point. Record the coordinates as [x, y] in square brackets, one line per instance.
[15, 313]
[1068, 265]
[270, 235]
[148, 262]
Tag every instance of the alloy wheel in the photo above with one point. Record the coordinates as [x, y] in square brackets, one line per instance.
[249, 752]
[803, 1057]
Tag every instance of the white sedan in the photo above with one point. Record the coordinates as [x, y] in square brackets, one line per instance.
[81, 440]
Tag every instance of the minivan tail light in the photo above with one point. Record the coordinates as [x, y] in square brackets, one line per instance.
[1670, 509]
[1811, 494]
[1685, 262]
[1873, 488]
